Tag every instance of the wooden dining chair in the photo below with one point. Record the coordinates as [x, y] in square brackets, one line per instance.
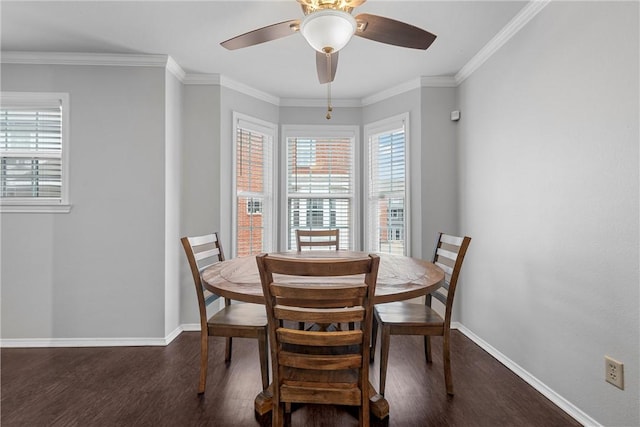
[319, 367]
[241, 320]
[406, 318]
[317, 238]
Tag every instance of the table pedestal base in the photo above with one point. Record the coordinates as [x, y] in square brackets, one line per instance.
[378, 405]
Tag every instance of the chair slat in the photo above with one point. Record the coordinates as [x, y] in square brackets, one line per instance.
[318, 292]
[202, 240]
[452, 240]
[199, 256]
[320, 362]
[447, 254]
[320, 315]
[325, 339]
[328, 396]
[440, 297]
[209, 297]
[448, 270]
[319, 303]
[322, 238]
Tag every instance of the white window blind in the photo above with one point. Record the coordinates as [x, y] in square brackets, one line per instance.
[320, 185]
[254, 198]
[387, 225]
[33, 148]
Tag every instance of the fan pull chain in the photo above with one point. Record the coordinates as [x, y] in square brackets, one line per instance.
[329, 107]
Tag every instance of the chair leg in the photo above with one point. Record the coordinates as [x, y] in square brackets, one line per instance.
[227, 350]
[204, 362]
[277, 415]
[301, 326]
[385, 337]
[264, 358]
[446, 358]
[427, 348]
[363, 412]
[374, 336]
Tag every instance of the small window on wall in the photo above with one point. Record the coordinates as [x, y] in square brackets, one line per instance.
[387, 186]
[253, 208]
[34, 152]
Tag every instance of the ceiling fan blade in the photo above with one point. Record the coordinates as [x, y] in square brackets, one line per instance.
[322, 66]
[390, 31]
[264, 34]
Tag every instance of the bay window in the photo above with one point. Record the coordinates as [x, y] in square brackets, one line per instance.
[253, 167]
[320, 181]
[386, 147]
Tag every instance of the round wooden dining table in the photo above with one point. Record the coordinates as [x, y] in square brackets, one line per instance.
[399, 278]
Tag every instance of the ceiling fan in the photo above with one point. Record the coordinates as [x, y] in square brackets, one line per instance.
[328, 26]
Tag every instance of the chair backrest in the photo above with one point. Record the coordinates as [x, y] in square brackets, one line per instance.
[326, 367]
[449, 254]
[323, 238]
[202, 252]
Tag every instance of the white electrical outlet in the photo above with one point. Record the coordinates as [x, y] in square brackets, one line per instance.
[614, 372]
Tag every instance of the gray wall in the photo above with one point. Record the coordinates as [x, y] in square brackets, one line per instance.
[200, 202]
[97, 271]
[549, 192]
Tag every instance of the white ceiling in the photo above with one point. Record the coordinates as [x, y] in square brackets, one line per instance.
[191, 32]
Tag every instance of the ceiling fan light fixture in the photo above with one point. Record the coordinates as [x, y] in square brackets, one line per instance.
[328, 30]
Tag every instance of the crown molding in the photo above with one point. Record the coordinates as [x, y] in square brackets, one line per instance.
[73, 58]
[202, 79]
[174, 68]
[95, 59]
[393, 91]
[248, 90]
[438, 81]
[320, 102]
[520, 20]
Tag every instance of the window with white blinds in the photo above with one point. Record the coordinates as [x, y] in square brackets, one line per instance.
[33, 150]
[320, 185]
[254, 186]
[387, 186]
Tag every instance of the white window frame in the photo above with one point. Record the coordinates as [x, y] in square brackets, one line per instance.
[268, 206]
[320, 131]
[42, 205]
[375, 128]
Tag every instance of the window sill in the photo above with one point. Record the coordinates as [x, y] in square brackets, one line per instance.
[16, 208]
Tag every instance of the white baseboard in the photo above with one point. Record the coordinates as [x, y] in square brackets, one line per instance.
[571, 410]
[191, 327]
[96, 342]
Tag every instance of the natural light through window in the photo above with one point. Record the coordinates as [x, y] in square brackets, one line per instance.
[320, 185]
[34, 152]
[387, 207]
[254, 187]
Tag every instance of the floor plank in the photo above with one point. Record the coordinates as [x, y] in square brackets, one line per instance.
[157, 386]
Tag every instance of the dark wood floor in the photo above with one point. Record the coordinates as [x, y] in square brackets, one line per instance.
[156, 386]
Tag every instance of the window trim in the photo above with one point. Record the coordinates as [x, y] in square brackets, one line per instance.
[25, 205]
[378, 127]
[320, 131]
